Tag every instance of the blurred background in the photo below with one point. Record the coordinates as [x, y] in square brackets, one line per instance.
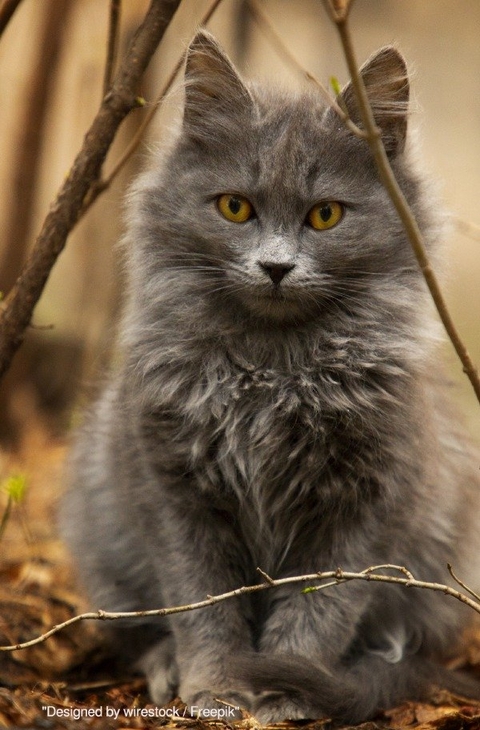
[52, 58]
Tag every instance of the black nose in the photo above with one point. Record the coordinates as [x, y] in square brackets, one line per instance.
[276, 272]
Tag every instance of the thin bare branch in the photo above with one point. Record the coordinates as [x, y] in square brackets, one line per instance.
[112, 45]
[265, 576]
[284, 52]
[101, 185]
[389, 566]
[462, 584]
[17, 309]
[334, 577]
[7, 10]
[389, 181]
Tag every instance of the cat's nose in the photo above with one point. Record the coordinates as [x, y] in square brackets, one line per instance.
[276, 272]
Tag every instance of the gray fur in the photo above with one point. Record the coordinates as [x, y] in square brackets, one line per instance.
[297, 426]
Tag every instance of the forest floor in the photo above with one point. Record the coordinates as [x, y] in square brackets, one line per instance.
[67, 682]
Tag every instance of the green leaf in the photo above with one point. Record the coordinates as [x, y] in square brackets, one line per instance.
[335, 84]
[309, 589]
[14, 486]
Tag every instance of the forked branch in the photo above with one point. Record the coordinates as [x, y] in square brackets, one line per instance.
[101, 185]
[327, 579]
[17, 309]
[284, 52]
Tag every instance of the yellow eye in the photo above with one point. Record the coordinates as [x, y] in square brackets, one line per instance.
[235, 208]
[325, 214]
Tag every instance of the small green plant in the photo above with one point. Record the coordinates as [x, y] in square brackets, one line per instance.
[335, 84]
[14, 487]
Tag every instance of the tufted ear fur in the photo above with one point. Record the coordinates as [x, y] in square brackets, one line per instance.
[212, 85]
[386, 80]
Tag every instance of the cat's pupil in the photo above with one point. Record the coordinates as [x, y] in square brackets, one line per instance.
[234, 205]
[325, 213]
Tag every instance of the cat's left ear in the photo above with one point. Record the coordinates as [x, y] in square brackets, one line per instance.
[386, 80]
[212, 84]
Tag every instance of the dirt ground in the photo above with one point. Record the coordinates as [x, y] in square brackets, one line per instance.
[67, 681]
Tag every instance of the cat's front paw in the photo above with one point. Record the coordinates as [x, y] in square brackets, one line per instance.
[270, 707]
[158, 665]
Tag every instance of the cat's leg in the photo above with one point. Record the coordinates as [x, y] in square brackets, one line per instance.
[199, 553]
[349, 652]
[114, 565]
[304, 637]
[158, 664]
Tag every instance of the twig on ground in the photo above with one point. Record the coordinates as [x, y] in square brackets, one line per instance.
[338, 10]
[335, 577]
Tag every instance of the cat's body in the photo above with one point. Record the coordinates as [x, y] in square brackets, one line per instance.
[278, 405]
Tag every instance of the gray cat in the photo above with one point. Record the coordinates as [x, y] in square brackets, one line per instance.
[278, 403]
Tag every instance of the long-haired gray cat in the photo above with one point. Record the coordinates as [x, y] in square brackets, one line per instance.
[278, 404]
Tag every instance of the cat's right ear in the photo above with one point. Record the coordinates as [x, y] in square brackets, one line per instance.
[212, 85]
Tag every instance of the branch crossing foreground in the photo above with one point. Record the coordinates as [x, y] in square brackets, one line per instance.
[333, 578]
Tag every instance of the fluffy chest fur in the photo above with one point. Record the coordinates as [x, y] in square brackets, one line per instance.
[287, 434]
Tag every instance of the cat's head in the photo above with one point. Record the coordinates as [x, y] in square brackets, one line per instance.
[269, 205]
